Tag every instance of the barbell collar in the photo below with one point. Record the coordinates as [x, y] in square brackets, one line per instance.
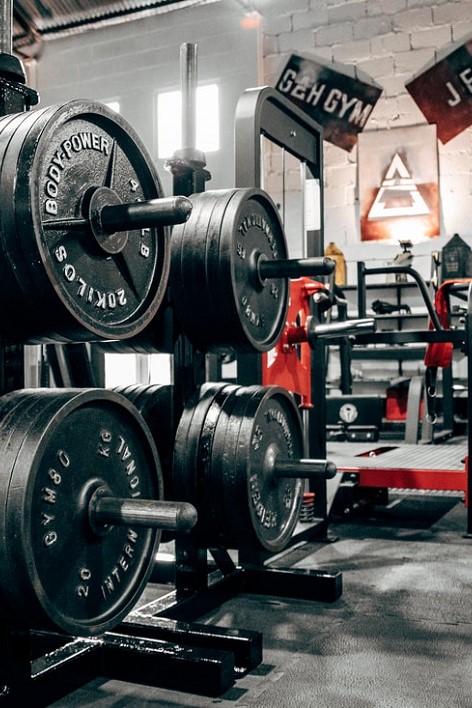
[166, 211]
[295, 267]
[304, 469]
[171, 516]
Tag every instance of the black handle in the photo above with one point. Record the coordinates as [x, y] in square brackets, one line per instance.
[172, 516]
[138, 215]
[295, 267]
[307, 469]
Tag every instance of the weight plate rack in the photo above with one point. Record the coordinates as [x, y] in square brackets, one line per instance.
[93, 480]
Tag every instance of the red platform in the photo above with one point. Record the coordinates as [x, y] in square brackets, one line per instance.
[429, 467]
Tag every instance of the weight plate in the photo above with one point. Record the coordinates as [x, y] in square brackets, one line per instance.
[186, 474]
[211, 533]
[257, 509]
[12, 261]
[57, 569]
[214, 485]
[258, 308]
[220, 300]
[222, 468]
[187, 266]
[130, 391]
[155, 403]
[54, 170]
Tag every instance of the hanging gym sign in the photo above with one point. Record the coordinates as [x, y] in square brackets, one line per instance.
[398, 184]
[340, 103]
[443, 92]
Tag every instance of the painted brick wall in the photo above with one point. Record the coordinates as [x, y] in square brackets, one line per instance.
[390, 40]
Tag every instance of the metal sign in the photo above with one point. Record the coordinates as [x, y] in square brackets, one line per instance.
[341, 104]
[444, 92]
[399, 183]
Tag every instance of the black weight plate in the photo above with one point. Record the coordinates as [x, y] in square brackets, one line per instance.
[130, 392]
[219, 299]
[219, 469]
[59, 570]
[210, 531]
[192, 294]
[193, 271]
[187, 447]
[222, 481]
[262, 423]
[81, 292]
[12, 261]
[155, 403]
[227, 326]
[252, 229]
[186, 442]
[26, 406]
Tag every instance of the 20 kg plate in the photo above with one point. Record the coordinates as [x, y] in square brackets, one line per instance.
[58, 171]
[59, 567]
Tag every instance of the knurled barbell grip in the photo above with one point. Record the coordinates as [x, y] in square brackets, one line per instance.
[295, 267]
[137, 215]
[308, 469]
[168, 515]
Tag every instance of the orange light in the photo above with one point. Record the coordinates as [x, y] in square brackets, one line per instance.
[251, 20]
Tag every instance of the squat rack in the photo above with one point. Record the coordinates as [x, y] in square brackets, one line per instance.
[407, 466]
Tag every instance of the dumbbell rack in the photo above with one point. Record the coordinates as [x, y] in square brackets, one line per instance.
[158, 644]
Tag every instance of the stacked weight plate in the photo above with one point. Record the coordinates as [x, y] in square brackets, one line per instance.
[155, 404]
[61, 567]
[226, 445]
[220, 299]
[62, 277]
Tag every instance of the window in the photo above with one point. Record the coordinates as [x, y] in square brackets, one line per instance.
[114, 105]
[169, 128]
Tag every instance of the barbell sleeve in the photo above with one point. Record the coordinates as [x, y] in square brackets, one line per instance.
[305, 468]
[138, 215]
[331, 330]
[295, 267]
[168, 515]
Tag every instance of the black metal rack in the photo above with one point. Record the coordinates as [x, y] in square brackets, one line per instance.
[265, 113]
[160, 643]
[197, 588]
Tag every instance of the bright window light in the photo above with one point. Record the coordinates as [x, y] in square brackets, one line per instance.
[169, 128]
[114, 105]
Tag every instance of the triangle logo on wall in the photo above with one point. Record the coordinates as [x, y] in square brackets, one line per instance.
[398, 194]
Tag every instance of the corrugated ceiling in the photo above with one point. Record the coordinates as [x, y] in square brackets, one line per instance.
[37, 20]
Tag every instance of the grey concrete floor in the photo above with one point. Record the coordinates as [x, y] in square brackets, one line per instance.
[400, 635]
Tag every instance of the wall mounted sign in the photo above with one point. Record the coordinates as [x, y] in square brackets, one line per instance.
[398, 184]
[340, 103]
[444, 92]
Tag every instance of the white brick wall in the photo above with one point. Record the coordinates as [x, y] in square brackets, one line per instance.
[389, 40]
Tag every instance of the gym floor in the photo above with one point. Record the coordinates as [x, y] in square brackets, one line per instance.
[398, 637]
